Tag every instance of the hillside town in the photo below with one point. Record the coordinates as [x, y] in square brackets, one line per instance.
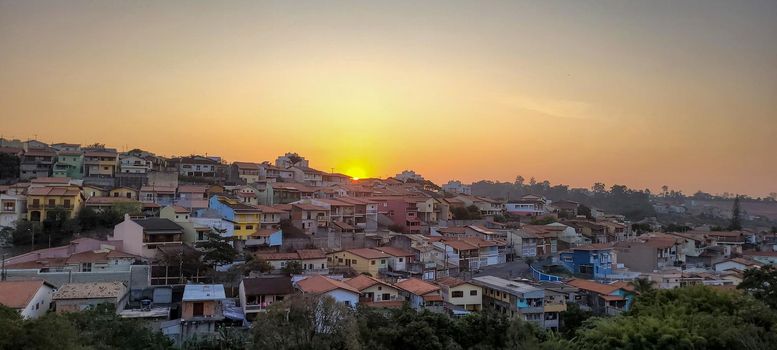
[193, 245]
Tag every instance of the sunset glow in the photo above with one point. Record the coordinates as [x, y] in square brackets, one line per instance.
[571, 92]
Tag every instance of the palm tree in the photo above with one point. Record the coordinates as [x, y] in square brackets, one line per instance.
[642, 285]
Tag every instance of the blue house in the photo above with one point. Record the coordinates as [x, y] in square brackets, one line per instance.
[594, 260]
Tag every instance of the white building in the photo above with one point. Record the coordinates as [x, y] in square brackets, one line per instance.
[455, 186]
[408, 175]
[134, 165]
[322, 285]
[31, 298]
[285, 161]
[12, 207]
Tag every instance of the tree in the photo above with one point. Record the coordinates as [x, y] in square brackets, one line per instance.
[253, 264]
[519, 181]
[642, 285]
[573, 318]
[599, 188]
[696, 317]
[736, 219]
[217, 250]
[306, 322]
[761, 284]
[293, 267]
[9, 166]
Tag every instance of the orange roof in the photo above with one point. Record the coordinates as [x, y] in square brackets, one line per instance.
[595, 287]
[269, 210]
[278, 256]
[612, 297]
[395, 251]
[108, 200]
[368, 253]
[17, 294]
[307, 254]
[318, 284]
[53, 191]
[180, 210]
[309, 207]
[416, 286]
[450, 281]
[362, 282]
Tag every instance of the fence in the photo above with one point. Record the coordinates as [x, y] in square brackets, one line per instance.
[541, 276]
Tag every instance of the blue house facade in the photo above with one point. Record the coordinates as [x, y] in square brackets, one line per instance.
[594, 260]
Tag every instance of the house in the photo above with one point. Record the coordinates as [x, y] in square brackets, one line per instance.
[399, 259]
[100, 163]
[201, 309]
[36, 163]
[403, 212]
[197, 166]
[73, 297]
[13, 207]
[192, 232]
[365, 215]
[291, 159]
[131, 164]
[245, 220]
[460, 295]
[157, 194]
[313, 261]
[310, 218]
[325, 286]
[257, 294]
[604, 299]
[143, 236]
[513, 298]
[566, 208]
[333, 179]
[42, 200]
[70, 164]
[90, 191]
[308, 176]
[192, 196]
[488, 207]
[124, 192]
[30, 298]
[737, 264]
[362, 260]
[595, 260]
[421, 294]
[528, 205]
[472, 253]
[375, 293]
[55, 258]
[289, 192]
[246, 172]
[650, 253]
[457, 187]
[546, 238]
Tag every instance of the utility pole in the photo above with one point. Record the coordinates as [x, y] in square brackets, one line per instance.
[32, 242]
[2, 269]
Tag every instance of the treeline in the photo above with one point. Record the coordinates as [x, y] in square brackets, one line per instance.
[99, 328]
[618, 199]
[58, 227]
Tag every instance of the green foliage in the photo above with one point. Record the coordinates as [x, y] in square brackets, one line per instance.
[642, 285]
[293, 268]
[100, 328]
[761, 284]
[573, 318]
[218, 250]
[225, 339]
[469, 213]
[685, 318]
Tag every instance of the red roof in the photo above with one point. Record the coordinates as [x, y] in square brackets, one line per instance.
[318, 284]
[18, 294]
[416, 286]
[368, 253]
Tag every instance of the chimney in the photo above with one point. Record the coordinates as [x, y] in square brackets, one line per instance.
[126, 217]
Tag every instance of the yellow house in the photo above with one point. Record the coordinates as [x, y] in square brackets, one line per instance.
[42, 200]
[361, 260]
[375, 292]
[124, 192]
[244, 218]
[461, 293]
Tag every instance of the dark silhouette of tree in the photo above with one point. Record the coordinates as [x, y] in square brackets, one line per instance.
[736, 216]
[9, 166]
[761, 284]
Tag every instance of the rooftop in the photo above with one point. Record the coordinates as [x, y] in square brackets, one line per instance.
[17, 294]
[318, 284]
[276, 285]
[199, 292]
[416, 286]
[90, 290]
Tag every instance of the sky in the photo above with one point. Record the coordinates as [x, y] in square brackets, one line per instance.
[641, 93]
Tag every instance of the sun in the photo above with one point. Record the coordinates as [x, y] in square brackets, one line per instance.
[356, 172]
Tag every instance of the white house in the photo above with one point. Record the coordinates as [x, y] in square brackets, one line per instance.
[322, 285]
[31, 298]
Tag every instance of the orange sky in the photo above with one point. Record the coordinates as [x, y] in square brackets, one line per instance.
[639, 94]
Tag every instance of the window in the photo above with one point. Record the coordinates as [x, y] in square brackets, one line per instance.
[383, 261]
[86, 267]
[457, 294]
[401, 259]
[52, 202]
[372, 262]
[473, 292]
[198, 309]
[115, 194]
[249, 227]
[129, 195]
[67, 203]
[237, 227]
[353, 262]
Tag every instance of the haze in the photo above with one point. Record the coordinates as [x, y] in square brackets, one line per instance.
[652, 93]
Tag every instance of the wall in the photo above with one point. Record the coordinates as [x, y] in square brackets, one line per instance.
[39, 304]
